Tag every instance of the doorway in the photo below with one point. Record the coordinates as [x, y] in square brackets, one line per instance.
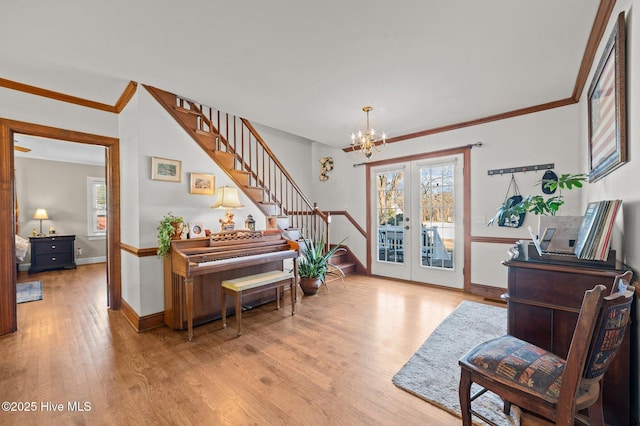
[8, 318]
[417, 220]
[66, 181]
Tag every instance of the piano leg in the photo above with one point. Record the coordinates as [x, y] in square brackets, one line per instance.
[188, 284]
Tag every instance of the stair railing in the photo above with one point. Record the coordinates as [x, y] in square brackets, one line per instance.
[252, 155]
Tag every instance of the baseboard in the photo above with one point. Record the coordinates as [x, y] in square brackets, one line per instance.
[89, 260]
[144, 323]
[82, 261]
[487, 291]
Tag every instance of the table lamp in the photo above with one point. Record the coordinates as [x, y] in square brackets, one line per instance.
[227, 198]
[41, 214]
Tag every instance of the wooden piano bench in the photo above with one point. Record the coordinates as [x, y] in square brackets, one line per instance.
[253, 283]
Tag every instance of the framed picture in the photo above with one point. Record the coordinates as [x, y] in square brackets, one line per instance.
[165, 169]
[196, 230]
[272, 222]
[202, 184]
[607, 108]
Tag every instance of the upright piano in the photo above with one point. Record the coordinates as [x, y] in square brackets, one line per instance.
[195, 268]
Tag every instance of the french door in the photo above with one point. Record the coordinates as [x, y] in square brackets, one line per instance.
[416, 216]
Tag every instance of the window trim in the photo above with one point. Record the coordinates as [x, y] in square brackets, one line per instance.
[92, 210]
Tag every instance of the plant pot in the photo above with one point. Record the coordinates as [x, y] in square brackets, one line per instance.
[310, 286]
[178, 228]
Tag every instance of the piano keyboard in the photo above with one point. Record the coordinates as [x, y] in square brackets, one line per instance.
[248, 258]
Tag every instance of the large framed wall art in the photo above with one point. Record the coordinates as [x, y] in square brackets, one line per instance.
[607, 108]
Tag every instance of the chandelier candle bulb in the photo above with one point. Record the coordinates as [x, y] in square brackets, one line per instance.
[367, 141]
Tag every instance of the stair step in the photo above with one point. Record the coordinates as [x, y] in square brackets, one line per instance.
[225, 159]
[269, 209]
[256, 193]
[185, 110]
[241, 177]
[205, 133]
[346, 268]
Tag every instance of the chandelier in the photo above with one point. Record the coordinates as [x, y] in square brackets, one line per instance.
[367, 141]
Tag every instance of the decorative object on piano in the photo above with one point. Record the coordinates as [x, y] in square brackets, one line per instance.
[196, 230]
[170, 228]
[250, 223]
[272, 222]
[607, 107]
[326, 165]
[202, 184]
[165, 169]
[537, 204]
[227, 198]
[41, 214]
[313, 265]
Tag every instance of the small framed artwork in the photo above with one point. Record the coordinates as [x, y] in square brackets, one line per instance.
[165, 169]
[196, 230]
[607, 108]
[202, 184]
[272, 222]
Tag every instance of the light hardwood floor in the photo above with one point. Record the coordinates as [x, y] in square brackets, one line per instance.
[331, 363]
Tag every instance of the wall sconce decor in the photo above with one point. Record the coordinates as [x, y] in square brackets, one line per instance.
[326, 165]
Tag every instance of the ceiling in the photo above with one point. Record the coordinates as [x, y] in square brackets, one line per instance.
[56, 150]
[307, 67]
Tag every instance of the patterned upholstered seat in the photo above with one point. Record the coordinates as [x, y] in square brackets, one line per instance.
[542, 382]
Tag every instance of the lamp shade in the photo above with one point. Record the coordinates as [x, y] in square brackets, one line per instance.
[227, 198]
[41, 214]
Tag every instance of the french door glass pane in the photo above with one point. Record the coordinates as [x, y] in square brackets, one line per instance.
[390, 214]
[437, 215]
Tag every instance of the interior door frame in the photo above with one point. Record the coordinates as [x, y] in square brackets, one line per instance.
[8, 275]
[465, 151]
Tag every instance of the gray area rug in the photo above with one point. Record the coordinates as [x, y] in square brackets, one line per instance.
[29, 291]
[433, 373]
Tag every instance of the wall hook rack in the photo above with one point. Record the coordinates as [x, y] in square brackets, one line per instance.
[512, 170]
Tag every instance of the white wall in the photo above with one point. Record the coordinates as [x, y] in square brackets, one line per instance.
[623, 182]
[549, 136]
[22, 106]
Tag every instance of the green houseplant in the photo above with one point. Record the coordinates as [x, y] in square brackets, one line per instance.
[313, 265]
[537, 204]
[170, 228]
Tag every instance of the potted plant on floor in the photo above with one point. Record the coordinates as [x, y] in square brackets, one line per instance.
[313, 265]
[170, 228]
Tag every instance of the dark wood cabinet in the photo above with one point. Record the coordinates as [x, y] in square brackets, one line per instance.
[52, 252]
[544, 300]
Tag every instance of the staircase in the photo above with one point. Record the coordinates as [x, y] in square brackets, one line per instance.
[340, 265]
[234, 144]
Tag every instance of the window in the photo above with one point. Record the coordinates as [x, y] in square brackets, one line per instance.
[97, 207]
[437, 215]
